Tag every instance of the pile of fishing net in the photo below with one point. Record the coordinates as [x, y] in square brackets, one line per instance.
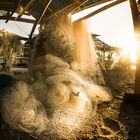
[58, 101]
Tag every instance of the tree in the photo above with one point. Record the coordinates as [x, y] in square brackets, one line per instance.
[10, 47]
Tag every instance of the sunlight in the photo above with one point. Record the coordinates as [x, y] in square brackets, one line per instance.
[130, 49]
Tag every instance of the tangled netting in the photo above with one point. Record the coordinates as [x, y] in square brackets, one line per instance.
[59, 101]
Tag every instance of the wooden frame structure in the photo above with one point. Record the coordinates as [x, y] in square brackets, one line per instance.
[30, 7]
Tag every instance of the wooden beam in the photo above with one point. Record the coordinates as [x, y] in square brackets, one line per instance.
[83, 2]
[50, 9]
[102, 9]
[136, 22]
[10, 0]
[40, 17]
[91, 5]
[22, 38]
[7, 7]
[31, 2]
[8, 13]
[8, 3]
[77, 1]
[42, 3]
[20, 19]
[60, 10]
[8, 18]
[31, 9]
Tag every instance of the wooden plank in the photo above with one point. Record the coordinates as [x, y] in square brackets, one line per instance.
[50, 9]
[77, 1]
[20, 19]
[10, 15]
[42, 3]
[31, 9]
[91, 5]
[31, 2]
[136, 22]
[83, 2]
[22, 38]
[8, 3]
[60, 10]
[39, 18]
[103, 8]
[7, 8]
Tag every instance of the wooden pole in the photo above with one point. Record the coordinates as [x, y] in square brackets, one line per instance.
[20, 19]
[80, 4]
[136, 22]
[103, 8]
[31, 2]
[90, 5]
[40, 17]
[8, 18]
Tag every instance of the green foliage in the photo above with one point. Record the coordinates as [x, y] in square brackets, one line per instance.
[10, 47]
[107, 55]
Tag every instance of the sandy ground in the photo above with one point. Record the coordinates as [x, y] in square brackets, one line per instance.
[115, 120]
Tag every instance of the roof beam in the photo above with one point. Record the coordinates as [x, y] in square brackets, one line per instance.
[31, 9]
[77, 1]
[31, 2]
[11, 1]
[20, 19]
[8, 3]
[42, 3]
[10, 15]
[60, 10]
[8, 7]
[102, 9]
[40, 17]
[83, 2]
[91, 5]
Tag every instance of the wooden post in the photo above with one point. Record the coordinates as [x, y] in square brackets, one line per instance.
[10, 15]
[136, 22]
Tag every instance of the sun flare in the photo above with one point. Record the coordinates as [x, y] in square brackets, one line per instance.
[129, 50]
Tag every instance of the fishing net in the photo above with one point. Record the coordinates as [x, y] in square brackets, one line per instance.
[21, 110]
[59, 102]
